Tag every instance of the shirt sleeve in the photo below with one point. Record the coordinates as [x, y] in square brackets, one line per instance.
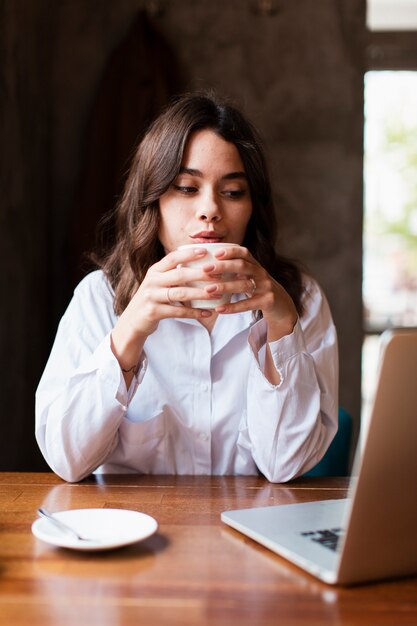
[82, 372]
[288, 427]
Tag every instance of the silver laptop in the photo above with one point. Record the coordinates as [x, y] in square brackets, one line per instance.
[373, 533]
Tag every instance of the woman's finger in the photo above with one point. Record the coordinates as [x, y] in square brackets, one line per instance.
[176, 257]
[246, 285]
[183, 312]
[181, 293]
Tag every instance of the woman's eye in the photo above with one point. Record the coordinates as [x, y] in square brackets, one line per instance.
[185, 189]
[234, 193]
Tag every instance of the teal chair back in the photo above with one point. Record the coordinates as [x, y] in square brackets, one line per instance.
[336, 460]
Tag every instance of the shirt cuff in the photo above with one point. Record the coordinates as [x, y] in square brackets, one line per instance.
[104, 362]
[281, 350]
[138, 377]
[289, 345]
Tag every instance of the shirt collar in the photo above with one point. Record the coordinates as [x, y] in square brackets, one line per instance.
[226, 326]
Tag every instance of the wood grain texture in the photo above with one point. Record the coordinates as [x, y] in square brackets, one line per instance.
[194, 571]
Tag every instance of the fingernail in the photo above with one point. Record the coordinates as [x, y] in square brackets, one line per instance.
[205, 313]
[200, 251]
[209, 268]
[221, 309]
[220, 253]
[211, 288]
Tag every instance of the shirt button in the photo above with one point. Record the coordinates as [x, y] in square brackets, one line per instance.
[204, 387]
[124, 408]
[203, 436]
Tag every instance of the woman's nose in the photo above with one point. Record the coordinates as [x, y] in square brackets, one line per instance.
[209, 209]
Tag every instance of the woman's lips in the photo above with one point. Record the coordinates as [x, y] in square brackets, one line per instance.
[207, 236]
[207, 239]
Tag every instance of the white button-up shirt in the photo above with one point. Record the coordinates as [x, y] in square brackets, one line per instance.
[200, 403]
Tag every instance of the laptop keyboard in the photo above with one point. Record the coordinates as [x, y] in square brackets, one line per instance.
[328, 538]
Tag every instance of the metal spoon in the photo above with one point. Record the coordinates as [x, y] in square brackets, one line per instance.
[61, 525]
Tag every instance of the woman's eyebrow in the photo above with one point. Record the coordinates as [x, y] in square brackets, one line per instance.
[233, 175]
[190, 171]
[229, 176]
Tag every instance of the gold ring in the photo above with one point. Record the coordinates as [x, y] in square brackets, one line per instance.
[252, 281]
[168, 298]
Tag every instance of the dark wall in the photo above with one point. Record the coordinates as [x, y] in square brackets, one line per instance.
[298, 74]
[25, 230]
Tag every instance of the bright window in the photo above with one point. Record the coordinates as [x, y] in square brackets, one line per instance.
[390, 210]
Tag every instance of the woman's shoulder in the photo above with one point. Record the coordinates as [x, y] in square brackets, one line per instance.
[314, 299]
[311, 286]
[92, 303]
[94, 292]
[95, 282]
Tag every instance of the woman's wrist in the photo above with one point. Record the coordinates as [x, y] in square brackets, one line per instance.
[281, 328]
[127, 347]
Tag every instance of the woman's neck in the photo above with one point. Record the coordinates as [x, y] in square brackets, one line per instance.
[208, 322]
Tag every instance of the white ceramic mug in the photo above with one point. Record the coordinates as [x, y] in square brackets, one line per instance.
[211, 248]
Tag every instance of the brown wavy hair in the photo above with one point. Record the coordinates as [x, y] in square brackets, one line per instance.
[155, 166]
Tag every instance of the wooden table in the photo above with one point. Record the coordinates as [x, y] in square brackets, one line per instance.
[194, 571]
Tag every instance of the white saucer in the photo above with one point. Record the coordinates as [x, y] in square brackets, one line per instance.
[112, 528]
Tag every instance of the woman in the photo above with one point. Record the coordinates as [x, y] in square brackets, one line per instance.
[138, 380]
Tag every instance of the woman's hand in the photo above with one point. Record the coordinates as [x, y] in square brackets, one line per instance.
[264, 293]
[159, 296]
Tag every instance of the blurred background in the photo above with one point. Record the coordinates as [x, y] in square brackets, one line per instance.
[79, 82]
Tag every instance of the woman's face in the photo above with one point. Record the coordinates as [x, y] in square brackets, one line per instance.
[209, 201]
